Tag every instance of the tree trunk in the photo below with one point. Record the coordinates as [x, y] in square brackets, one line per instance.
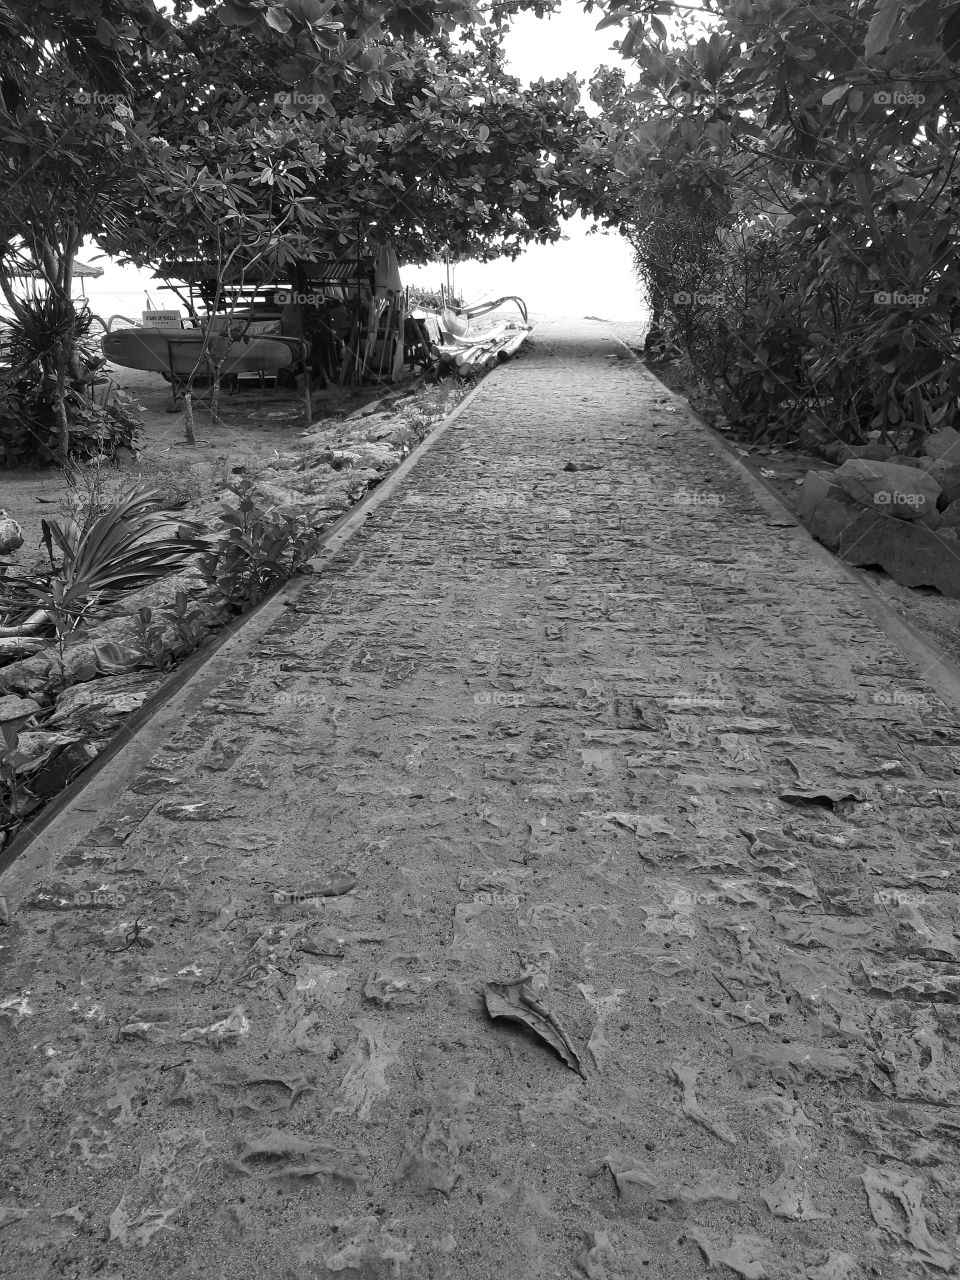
[63, 425]
[188, 415]
[216, 367]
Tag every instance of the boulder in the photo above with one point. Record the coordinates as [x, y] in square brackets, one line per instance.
[11, 535]
[940, 469]
[37, 745]
[97, 706]
[13, 708]
[904, 492]
[62, 767]
[825, 508]
[911, 554]
[950, 516]
[949, 489]
[874, 451]
[943, 444]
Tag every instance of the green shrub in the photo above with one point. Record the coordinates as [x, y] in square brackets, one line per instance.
[101, 417]
[259, 550]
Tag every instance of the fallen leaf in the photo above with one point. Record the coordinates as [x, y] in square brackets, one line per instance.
[365, 1081]
[641, 824]
[200, 811]
[838, 1266]
[743, 1256]
[516, 1002]
[234, 1026]
[830, 798]
[686, 1077]
[884, 1186]
[298, 1158]
[332, 886]
[597, 1251]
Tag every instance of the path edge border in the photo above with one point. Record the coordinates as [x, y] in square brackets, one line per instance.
[936, 667]
[73, 813]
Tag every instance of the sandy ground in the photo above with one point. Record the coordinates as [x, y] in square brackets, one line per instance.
[537, 741]
[254, 428]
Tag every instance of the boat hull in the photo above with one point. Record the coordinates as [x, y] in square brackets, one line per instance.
[176, 352]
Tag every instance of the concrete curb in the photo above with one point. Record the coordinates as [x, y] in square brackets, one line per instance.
[76, 810]
[940, 671]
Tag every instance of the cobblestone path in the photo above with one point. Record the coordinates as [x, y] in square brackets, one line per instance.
[572, 707]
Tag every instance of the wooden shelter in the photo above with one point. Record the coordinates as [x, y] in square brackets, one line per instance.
[348, 307]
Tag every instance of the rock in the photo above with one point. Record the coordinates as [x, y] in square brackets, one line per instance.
[62, 767]
[825, 508]
[949, 489]
[29, 675]
[97, 706]
[13, 708]
[939, 469]
[36, 744]
[943, 444]
[873, 452]
[11, 535]
[911, 554]
[107, 648]
[904, 492]
[377, 456]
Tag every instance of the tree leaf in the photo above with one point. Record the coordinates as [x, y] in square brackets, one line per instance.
[880, 28]
[279, 19]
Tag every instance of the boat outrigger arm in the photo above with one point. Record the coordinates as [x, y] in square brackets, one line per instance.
[457, 320]
[482, 308]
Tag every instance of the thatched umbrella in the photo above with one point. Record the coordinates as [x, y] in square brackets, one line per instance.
[80, 270]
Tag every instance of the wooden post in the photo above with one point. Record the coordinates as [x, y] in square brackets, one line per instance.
[307, 378]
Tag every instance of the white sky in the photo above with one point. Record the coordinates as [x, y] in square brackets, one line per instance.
[567, 41]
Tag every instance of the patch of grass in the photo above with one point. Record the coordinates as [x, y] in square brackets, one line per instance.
[179, 482]
[90, 491]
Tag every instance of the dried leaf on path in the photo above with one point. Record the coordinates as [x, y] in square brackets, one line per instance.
[199, 811]
[365, 1081]
[332, 886]
[603, 1006]
[289, 1156]
[516, 1002]
[596, 1253]
[130, 1228]
[838, 1266]
[686, 1077]
[435, 1163]
[641, 824]
[228, 1029]
[894, 1197]
[744, 1255]
[829, 797]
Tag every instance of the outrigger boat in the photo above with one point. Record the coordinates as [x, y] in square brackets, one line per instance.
[176, 353]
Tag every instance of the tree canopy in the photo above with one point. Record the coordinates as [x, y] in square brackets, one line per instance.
[795, 167]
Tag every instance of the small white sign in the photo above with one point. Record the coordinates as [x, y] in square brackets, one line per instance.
[163, 319]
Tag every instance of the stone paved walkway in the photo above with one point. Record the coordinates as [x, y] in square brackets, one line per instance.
[612, 727]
